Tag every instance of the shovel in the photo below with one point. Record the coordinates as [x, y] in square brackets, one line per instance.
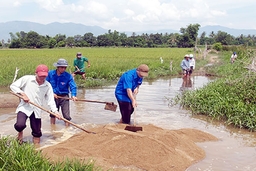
[109, 105]
[53, 114]
[133, 127]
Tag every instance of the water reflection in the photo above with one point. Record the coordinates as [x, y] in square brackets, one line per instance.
[234, 151]
[186, 84]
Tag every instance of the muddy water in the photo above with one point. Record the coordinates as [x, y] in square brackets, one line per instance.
[235, 150]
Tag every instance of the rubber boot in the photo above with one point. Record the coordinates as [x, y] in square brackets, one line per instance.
[53, 121]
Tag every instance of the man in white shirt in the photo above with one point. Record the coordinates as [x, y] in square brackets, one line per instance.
[192, 63]
[33, 88]
[233, 57]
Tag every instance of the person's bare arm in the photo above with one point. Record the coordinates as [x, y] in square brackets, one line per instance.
[88, 64]
[131, 96]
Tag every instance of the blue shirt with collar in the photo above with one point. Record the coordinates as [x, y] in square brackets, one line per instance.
[62, 84]
[129, 79]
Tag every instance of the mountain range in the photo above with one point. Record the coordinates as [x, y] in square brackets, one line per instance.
[72, 29]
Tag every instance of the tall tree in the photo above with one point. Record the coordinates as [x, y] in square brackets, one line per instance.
[189, 35]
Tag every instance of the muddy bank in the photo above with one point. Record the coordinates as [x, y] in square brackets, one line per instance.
[8, 100]
[114, 148]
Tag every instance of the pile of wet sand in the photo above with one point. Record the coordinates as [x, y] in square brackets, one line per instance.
[114, 148]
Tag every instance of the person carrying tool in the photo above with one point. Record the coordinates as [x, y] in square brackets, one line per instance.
[126, 90]
[185, 66]
[33, 88]
[79, 65]
[62, 83]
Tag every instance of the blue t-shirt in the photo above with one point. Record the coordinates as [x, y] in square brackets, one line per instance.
[63, 83]
[129, 79]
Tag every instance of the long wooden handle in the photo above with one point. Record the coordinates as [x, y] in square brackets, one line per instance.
[134, 113]
[77, 68]
[84, 100]
[134, 116]
[53, 114]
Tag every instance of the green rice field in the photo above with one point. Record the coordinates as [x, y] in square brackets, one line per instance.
[107, 64]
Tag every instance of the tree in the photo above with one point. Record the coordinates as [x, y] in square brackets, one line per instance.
[103, 40]
[78, 40]
[52, 43]
[224, 38]
[202, 39]
[189, 35]
[123, 39]
[15, 43]
[60, 37]
[70, 41]
[32, 39]
[90, 39]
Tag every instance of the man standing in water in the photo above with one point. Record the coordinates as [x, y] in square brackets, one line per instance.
[126, 90]
[192, 63]
[62, 83]
[185, 66]
[33, 88]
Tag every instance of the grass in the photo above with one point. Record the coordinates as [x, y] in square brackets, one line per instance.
[231, 98]
[25, 157]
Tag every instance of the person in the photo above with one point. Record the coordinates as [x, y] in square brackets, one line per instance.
[192, 63]
[79, 65]
[33, 88]
[62, 83]
[126, 90]
[233, 57]
[185, 66]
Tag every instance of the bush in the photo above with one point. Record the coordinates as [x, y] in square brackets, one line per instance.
[217, 46]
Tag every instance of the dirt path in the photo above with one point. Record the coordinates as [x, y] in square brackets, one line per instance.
[114, 148]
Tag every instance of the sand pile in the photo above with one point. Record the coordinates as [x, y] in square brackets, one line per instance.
[114, 148]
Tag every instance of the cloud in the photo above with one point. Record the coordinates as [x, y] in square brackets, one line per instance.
[16, 3]
[50, 5]
[132, 15]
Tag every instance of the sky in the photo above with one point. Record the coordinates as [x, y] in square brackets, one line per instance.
[133, 15]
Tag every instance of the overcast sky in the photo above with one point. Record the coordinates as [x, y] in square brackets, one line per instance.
[133, 15]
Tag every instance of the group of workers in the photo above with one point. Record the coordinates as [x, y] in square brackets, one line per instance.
[56, 87]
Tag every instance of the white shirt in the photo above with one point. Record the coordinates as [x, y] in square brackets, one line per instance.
[36, 94]
[233, 56]
[192, 62]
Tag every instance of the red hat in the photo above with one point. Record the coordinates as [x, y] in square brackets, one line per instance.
[143, 68]
[42, 70]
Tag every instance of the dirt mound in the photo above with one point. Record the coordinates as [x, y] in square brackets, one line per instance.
[114, 148]
[8, 100]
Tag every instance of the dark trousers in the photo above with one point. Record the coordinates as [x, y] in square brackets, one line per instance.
[64, 105]
[35, 123]
[126, 110]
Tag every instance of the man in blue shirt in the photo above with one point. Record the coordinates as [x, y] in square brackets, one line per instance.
[62, 83]
[185, 66]
[126, 90]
